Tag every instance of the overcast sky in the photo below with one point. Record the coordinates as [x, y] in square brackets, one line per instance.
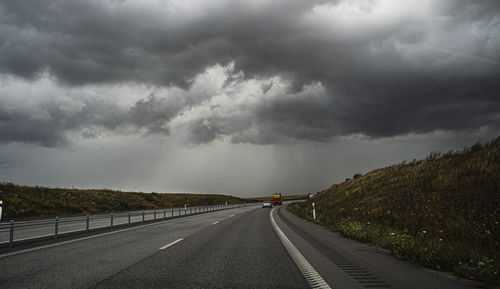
[240, 97]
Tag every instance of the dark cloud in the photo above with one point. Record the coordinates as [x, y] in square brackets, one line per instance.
[379, 72]
[48, 125]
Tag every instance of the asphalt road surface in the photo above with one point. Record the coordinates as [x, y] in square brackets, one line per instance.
[25, 230]
[236, 248]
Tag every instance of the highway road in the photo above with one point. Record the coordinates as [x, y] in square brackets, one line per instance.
[26, 230]
[245, 247]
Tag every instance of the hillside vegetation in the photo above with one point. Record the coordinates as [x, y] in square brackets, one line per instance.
[25, 201]
[443, 212]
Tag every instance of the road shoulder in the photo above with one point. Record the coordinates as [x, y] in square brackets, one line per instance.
[359, 260]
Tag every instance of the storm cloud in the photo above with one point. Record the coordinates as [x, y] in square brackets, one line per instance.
[250, 71]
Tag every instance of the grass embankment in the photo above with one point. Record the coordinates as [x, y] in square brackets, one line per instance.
[27, 202]
[285, 198]
[442, 212]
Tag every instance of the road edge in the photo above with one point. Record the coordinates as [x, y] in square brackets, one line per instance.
[310, 274]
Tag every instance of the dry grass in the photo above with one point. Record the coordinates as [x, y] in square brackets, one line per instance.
[28, 202]
[443, 212]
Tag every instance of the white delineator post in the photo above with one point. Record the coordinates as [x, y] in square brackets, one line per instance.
[314, 212]
[1, 205]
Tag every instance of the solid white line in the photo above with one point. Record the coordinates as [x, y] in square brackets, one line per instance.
[311, 275]
[171, 244]
[215, 222]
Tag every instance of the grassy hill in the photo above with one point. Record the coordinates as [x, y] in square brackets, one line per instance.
[442, 212]
[27, 202]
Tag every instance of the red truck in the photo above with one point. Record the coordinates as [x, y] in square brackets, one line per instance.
[277, 199]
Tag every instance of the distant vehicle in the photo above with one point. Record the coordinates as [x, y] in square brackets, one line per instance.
[267, 204]
[277, 199]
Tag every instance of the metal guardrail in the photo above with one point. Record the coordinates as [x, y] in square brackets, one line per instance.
[63, 225]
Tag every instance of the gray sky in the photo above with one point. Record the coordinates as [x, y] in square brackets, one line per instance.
[240, 97]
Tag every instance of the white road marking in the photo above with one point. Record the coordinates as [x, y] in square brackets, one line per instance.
[231, 216]
[311, 275]
[171, 244]
[215, 222]
[86, 238]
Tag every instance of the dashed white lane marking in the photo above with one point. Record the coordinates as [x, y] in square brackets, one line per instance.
[311, 275]
[83, 238]
[72, 241]
[171, 244]
[215, 222]
[231, 216]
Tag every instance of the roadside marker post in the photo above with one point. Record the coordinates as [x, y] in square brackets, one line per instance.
[128, 217]
[57, 228]
[11, 241]
[314, 212]
[1, 205]
[87, 223]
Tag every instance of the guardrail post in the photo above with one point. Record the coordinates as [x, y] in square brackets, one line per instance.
[87, 223]
[191, 210]
[172, 212]
[164, 214]
[155, 214]
[111, 220]
[56, 233]
[143, 215]
[179, 211]
[128, 217]
[11, 242]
